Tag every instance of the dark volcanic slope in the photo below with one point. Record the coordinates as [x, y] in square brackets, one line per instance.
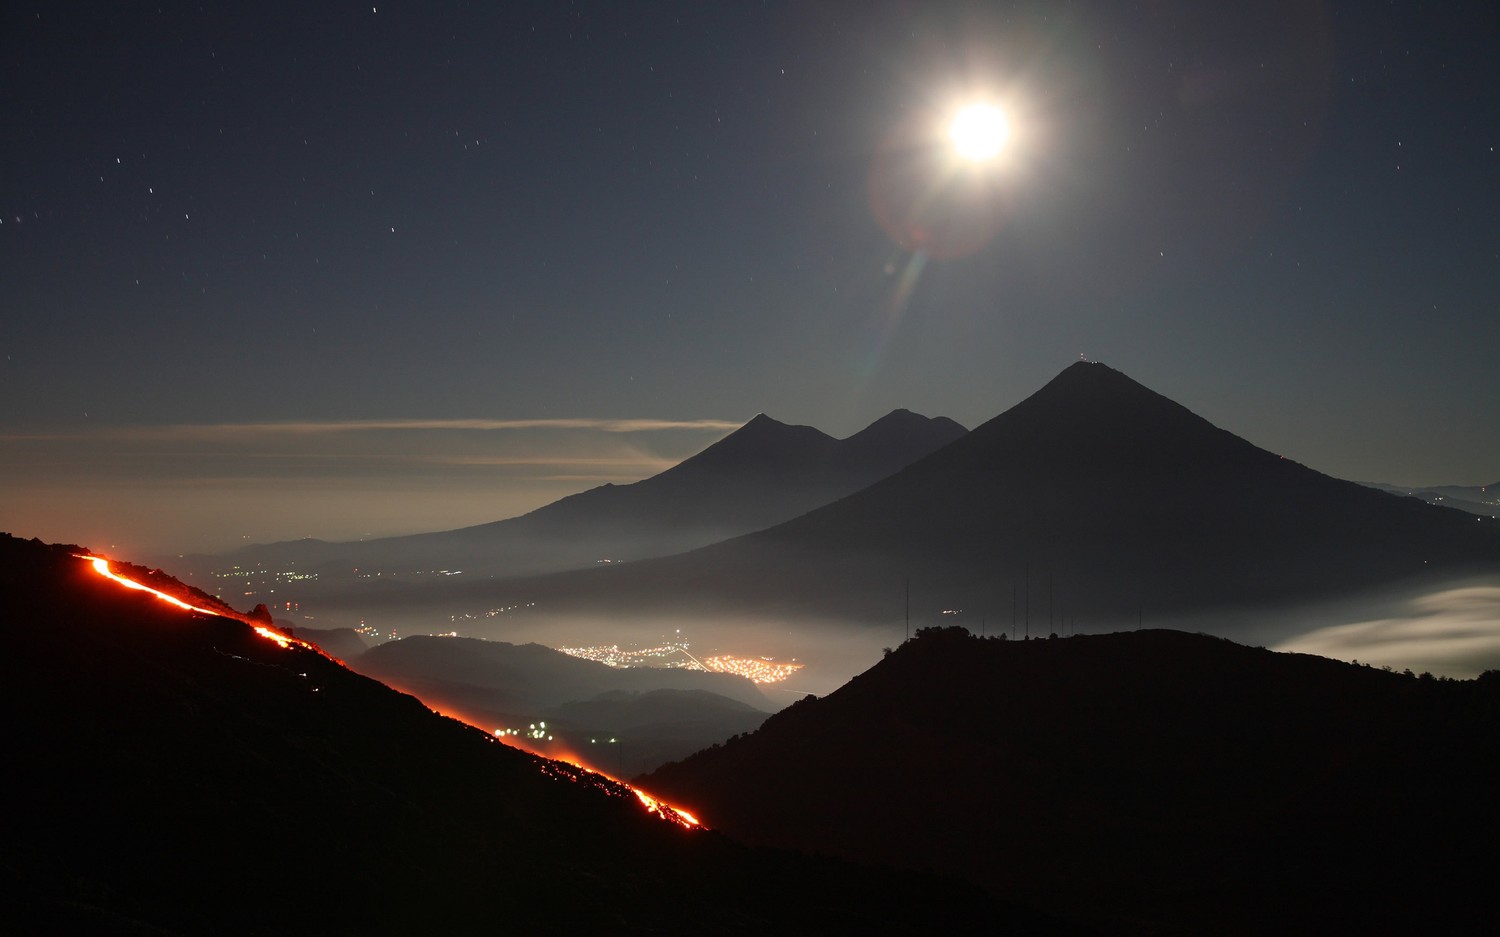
[173, 773]
[1112, 494]
[1155, 781]
[530, 677]
[760, 475]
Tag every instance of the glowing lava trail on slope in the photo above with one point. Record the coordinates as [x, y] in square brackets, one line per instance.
[555, 765]
[568, 769]
[101, 566]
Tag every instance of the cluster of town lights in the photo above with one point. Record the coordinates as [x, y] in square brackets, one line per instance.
[676, 655]
[537, 731]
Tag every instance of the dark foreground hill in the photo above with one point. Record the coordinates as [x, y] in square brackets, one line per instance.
[763, 473]
[1094, 489]
[176, 773]
[1153, 782]
[1483, 500]
[654, 714]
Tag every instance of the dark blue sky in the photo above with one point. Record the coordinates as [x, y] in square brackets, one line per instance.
[1284, 216]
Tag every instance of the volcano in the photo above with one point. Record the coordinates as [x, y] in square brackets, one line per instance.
[183, 774]
[1095, 493]
[761, 474]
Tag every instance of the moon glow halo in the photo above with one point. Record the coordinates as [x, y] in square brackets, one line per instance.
[979, 131]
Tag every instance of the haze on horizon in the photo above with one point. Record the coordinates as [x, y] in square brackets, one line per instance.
[211, 488]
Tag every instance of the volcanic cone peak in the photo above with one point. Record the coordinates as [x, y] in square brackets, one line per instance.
[1096, 482]
[900, 438]
[1091, 412]
[901, 420]
[762, 440]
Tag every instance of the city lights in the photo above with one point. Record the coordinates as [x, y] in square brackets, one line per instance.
[677, 655]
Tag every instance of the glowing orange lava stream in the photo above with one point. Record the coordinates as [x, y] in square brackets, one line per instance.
[101, 566]
[660, 808]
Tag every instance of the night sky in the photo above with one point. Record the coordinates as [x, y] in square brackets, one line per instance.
[272, 270]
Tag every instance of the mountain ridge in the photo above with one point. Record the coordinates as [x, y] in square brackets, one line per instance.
[184, 775]
[1152, 781]
[760, 474]
[1096, 489]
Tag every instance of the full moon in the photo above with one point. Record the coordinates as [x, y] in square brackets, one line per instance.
[979, 131]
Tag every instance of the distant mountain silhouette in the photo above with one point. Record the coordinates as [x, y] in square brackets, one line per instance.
[1151, 782]
[630, 733]
[176, 773]
[760, 475]
[1095, 491]
[1476, 499]
[671, 712]
[344, 643]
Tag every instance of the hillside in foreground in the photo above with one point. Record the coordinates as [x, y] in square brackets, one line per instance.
[1150, 782]
[182, 774]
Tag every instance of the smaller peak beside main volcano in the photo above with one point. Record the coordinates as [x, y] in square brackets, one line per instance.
[899, 438]
[759, 442]
[901, 421]
[761, 422]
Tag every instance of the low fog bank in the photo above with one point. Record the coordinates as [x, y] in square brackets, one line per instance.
[1448, 629]
[1452, 632]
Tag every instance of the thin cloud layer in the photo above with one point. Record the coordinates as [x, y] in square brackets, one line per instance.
[246, 431]
[206, 486]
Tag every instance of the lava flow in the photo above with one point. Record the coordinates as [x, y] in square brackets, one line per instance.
[551, 766]
[101, 566]
[606, 781]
